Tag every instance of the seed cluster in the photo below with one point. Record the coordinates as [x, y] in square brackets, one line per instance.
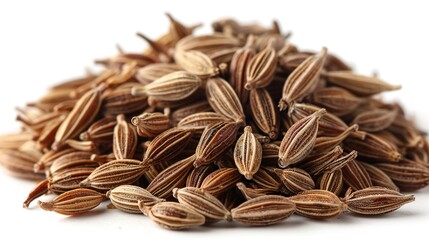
[238, 125]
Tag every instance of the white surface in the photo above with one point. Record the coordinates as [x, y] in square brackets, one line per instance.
[43, 42]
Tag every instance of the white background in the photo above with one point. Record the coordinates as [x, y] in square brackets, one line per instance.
[43, 42]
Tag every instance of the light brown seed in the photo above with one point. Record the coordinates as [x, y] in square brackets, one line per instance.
[220, 181]
[19, 164]
[71, 160]
[215, 139]
[174, 216]
[407, 175]
[319, 204]
[261, 68]
[199, 121]
[182, 112]
[45, 162]
[152, 72]
[114, 174]
[196, 62]
[100, 131]
[295, 180]
[326, 144]
[14, 140]
[375, 120]
[263, 210]
[250, 193]
[336, 100]
[329, 124]
[376, 201]
[247, 154]
[303, 80]
[172, 177]
[80, 117]
[356, 176]
[121, 101]
[299, 140]
[171, 87]
[61, 182]
[325, 162]
[74, 202]
[359, 84]
[374, 147]
[197, 175]
[126, 198]
[331, 181]
[238, 67]
[264, 112]
[166, 146]
[378, 177]
[202, 202]
[224, 100]
[151, 124]
[124, 139]
[266, 178]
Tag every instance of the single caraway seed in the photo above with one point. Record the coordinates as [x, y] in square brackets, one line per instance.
[74, 202]
[248, 154]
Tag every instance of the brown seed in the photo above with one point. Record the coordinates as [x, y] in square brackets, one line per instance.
[74, 202]
[215, 139]
[202, 202]
[220, 181]
[375, 120]
[238, 67]
[126, 198]
[356, 176]
[326, 162]
[181, 113]
[166, 146]
[378, 177]
[261, 68]
[199, 121]
[197, 175]
[318, 204]
[174, 216]
[124, 139]
[303, 79]
[326, 144]
[376, 201]
[172, 177]
[295, 180]
[299, 140]
[100, 131]
[264, 210]
[72, 160]
[152, 72]
[248, 154]
[171, 87]
[15, 140]
[19, 164]
[122, 101]
[80, 117]
[359, 84]
[151, 124]
[374, 147]
[407, 175]
[114, 174]
[224, 100]
[45, 162]
[250, 193]
[331, 181]
[336, 100]
[264, 112]
[196, 62]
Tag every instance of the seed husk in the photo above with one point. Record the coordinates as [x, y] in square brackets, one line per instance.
[74, 202]
[203, 203]
[319, 204]
[174, 216]
[299, 140]
[248, 154]
[126, 198]
[263, 210]
[264, 112]
[151, 124]
[376, 201]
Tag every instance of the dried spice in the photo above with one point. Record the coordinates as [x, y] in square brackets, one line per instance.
[189, 132]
